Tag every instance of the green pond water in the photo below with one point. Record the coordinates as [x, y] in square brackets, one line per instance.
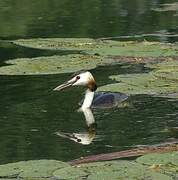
[31, 113]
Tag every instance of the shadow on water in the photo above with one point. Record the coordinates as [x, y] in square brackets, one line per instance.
[11, 51]
[30, 114]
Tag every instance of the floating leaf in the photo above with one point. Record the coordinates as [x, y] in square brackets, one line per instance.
[41, 168]
[120, 170]
[58, 43]
[166, 69]
[162, 81]
[140, 84]
[69, 173]
[50, 65]
[102, 47]
[167, 162]
[34, 168]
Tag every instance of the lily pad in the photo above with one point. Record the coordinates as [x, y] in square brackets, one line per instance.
[165, 163]
[157, 158]
[161, 81]
[57, 43]
[166, 69]
[41, 168]
[102, 47]
[38, 168]
[50, 65]
[140, 84]
[120, 170]
[69, 173]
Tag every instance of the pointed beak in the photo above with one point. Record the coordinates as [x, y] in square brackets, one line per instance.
[65, 85]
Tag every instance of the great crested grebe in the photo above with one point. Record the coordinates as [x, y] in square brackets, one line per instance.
[92, 99]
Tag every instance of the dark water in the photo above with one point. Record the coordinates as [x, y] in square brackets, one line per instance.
[31, 113]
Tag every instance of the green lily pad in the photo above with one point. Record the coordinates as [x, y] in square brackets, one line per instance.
[120, 170]
[50, 65]
[57, 43]
[162, 81]
[41, 168]
[69, 173]
[165, 163]
[166, 69]
[11, 169]
[157, 158]
[102, 47]
[140, 84]
[34, 168]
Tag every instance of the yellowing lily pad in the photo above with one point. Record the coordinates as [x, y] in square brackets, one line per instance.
[102, 47]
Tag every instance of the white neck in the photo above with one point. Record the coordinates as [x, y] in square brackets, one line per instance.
[89, 95]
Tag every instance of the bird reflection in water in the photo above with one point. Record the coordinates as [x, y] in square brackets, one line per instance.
[91, 100]
[86, 137]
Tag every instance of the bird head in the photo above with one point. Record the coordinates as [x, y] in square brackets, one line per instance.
[79, 79]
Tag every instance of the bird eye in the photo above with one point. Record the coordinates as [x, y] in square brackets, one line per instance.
[78, 77]
[79, 140]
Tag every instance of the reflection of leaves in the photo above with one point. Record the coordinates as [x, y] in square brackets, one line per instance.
[168, 7]
[102, 47]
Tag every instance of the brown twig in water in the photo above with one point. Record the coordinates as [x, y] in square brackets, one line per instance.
[161, 148]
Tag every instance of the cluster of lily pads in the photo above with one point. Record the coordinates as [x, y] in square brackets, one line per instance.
[151, 166]
[90, 53]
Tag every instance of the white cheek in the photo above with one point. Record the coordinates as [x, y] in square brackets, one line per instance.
[81, 82]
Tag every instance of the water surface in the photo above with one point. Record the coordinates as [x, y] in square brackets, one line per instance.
[31, 113]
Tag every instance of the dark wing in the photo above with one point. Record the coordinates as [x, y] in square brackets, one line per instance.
[108, 99]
